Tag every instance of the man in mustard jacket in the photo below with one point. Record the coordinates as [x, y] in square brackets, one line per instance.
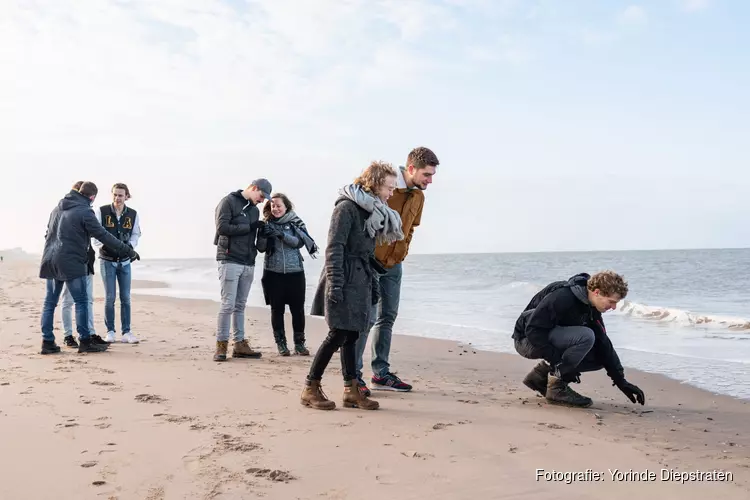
[407, 200]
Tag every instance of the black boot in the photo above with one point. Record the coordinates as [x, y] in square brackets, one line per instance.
[70, 341]
[299, 345]
[536, 380]
[281, 343]
[49, 347]
[88, 346]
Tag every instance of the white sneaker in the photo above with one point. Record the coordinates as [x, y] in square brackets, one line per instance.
[129, 338]
[111, 337]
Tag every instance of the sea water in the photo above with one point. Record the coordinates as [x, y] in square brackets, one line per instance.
[686, 315]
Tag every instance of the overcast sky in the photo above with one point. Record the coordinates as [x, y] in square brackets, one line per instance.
[576, 125]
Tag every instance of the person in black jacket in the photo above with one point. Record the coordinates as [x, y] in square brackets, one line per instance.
[348, 287]
[67, 300]
[237, 223]
[71, 226]
[563, 326]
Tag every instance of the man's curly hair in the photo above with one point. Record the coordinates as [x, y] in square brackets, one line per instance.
[609, 283]
[374, 176]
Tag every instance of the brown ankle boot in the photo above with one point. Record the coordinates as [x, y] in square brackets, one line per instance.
[559, 392]
[313, 396]
[242, 349]
[354, 398]
[221, 350]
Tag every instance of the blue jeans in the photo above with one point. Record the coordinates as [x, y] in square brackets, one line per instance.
[67, 307]
[236, 280]
[112, 274]
[77, 289]
[382, 318]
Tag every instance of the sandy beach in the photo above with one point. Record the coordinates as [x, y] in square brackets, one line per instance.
[161, 420]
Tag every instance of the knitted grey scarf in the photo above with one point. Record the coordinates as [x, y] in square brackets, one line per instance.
[384, 223]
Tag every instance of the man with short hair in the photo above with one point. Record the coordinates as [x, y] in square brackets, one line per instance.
[67, 301]
[69, 231]
[408, 201]
[563, 326]
[122, 222]
[237, 221]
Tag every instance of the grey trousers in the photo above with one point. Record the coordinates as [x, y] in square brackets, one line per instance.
[236, 280]
[575, 343]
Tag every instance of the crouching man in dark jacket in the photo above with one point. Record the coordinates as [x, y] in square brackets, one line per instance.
[71, 226]
[563, 326]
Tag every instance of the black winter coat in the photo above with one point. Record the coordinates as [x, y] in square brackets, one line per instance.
[67, 244]
[564, 303]
[348, 255]
[237, 221]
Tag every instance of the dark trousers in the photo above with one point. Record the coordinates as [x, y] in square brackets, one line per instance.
[575, 344]
[281, 290]
[336, 338]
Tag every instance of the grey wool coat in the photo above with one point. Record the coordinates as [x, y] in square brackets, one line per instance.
[348, 266]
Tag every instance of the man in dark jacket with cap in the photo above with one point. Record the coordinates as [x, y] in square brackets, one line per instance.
[563, 326]
[237, 223]
[71, 226]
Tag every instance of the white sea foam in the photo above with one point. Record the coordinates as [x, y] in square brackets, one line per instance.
[682, 317]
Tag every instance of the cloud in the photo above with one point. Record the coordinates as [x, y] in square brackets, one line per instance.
[92, 74]
[505, 49]
[694, 5]
[633, 15]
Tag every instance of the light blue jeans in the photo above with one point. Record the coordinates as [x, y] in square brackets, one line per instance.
[67, 307]
[112, 274]
[236, 280]
[382, 318]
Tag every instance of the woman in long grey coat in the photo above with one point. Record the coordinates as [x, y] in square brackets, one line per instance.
[361, 219]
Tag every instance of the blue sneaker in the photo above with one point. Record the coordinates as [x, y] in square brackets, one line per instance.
[363, 387]
[389, 383]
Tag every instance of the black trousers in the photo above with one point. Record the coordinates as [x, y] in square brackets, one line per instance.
[281, 290]
[344, 339]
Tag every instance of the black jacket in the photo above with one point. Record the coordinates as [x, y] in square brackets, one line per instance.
[237, 221]
[565, 303]
[67, 244]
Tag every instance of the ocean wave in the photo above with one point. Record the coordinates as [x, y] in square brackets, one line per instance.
[681, 317]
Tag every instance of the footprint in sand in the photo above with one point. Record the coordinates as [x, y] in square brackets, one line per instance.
[149, 398]
[281, 476]
[226, 443]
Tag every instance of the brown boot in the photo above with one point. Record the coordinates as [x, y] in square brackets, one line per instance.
[313, 396]
[559, 392]
[242, 349]
[354, 398]
[221, 350]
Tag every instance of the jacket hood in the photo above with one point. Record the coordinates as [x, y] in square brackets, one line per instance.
[238, 194]
[72, 200]
[577, 285]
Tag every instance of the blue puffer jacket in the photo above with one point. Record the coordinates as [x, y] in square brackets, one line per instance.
[282, 253]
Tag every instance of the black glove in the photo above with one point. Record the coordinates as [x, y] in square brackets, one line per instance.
[375, 298]
[336, 295]
[259, 225]
[133, 255]
[633, 392]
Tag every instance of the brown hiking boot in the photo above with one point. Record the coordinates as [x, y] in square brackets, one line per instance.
[354, 398]
[221, 350]
[559, 392]
[242, 349]
[536, 380]
[313, 396]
